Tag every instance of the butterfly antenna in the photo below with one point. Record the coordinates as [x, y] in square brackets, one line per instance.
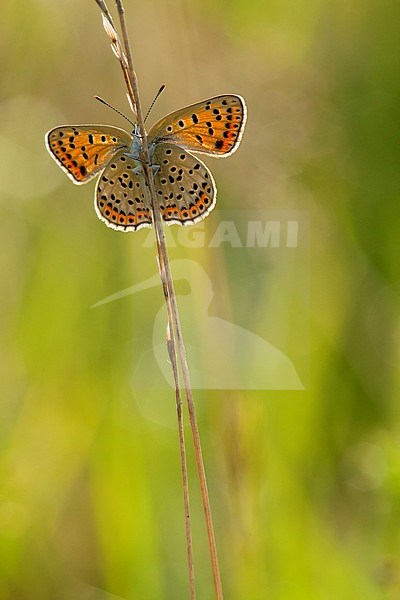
[114, 109]
[162, 88]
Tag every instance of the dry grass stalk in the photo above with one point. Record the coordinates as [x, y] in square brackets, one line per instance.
[175, 342]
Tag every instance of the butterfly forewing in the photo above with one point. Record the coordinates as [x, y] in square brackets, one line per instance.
[82, 151]
[185, 188]
[121, 199]
[214, 126]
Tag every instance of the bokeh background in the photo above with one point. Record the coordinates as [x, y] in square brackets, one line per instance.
[305, 484]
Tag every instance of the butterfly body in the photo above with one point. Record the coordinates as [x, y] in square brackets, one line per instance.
[185, 187]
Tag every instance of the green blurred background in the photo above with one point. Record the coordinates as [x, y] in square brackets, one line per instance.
[305, 485]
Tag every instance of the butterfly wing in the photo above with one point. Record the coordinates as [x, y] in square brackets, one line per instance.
[213, 127]
[121, 199]
[83, 150]
[185, 187]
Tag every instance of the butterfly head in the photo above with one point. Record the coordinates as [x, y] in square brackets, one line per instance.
[136, 144]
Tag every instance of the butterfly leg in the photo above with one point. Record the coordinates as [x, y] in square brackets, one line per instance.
[138, 170]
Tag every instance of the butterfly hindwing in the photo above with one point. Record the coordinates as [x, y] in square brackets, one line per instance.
[214, 126]
[121, 199]
[83, 150]
[185, 188]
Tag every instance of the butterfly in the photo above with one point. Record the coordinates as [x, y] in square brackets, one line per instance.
[185, 187]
